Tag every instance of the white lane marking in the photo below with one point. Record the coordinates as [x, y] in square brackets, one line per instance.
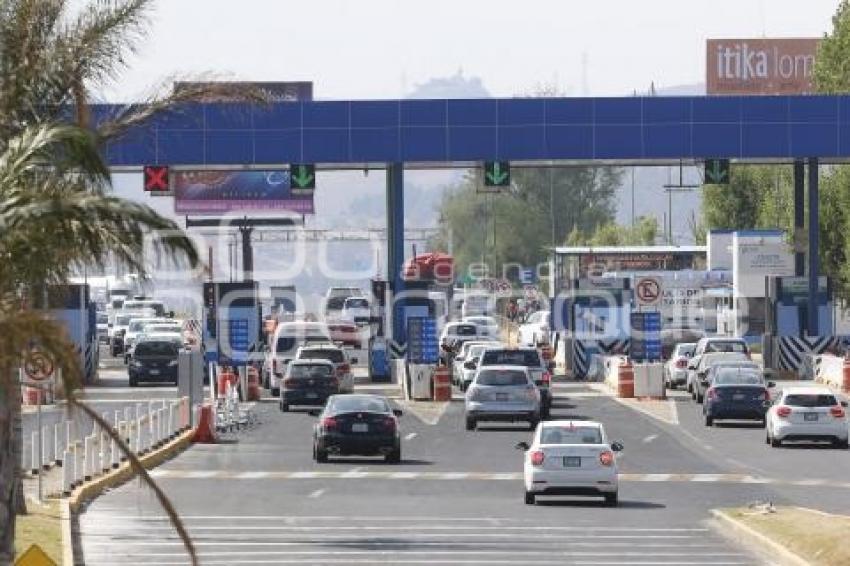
[649, 438]
[404, 475]
[304, 475]
[315, 495]
[410, 436]
[354, 473]
[252, 475]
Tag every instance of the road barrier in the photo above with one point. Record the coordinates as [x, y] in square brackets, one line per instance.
[625, 380]
[649, 381]
[831, 370]
[85, 458]
[442, 384]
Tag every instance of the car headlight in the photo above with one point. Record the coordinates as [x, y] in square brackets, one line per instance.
[136, 363]
[172, 363]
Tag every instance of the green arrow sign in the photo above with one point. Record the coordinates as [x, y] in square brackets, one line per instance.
[717, 171]
[497, 174]
[303, 176]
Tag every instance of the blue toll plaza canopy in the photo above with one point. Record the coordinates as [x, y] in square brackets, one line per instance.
[459, 132]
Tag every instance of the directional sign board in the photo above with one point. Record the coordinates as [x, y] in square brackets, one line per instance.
[497, 174]
[648, 291]
[717, 171]
[422, 340]
[646, 336]
[302, 178]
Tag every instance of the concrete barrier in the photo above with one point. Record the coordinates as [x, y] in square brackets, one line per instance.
[649, 381]
[829, 370]
[611, 370]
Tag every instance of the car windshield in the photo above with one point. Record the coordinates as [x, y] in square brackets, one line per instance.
[309, 370]
[335, 356]
[685, 350]
[356, 304]
[162, 328]
[463, 330]
[500, 377]
[727, 377]
[475, 351]
[137, 325]
[810, 400]
[161, 348]
[730, 346]
[354, 403]
[556, 434]
[527, 358]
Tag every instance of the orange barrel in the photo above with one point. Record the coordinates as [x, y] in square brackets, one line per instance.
[845, 385]
[205, 433]
[442, 384]
[224, 377]
[253, 384]
[626, 380]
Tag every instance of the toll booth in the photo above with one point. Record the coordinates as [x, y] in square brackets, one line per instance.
[593, 316]
[787, 343]
[72, 306]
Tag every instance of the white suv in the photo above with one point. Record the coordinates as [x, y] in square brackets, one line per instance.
[807, 413]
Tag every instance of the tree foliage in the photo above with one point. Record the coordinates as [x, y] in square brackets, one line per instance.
[832, 64]
[518, 226]
[643, 233]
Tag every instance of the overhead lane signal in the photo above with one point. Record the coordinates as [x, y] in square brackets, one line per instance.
[497, 174]
[157, 179]
[302, 178]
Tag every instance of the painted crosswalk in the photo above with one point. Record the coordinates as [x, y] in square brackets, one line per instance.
[170, 474]
[121, 538]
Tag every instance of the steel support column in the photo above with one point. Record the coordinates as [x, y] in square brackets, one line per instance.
[814, 227]
[247, 253]
[799, 216]
[395, 248]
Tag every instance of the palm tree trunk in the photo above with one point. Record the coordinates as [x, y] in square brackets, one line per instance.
[18, 448]
[10, 465]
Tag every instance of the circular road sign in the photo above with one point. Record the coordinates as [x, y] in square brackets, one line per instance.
[648, 291]
[38, 366]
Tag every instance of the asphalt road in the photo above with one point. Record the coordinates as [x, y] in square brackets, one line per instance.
[457, 496]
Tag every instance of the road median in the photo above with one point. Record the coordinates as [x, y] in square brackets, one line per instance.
[791, 535]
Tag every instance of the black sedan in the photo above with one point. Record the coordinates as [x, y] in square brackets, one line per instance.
[357, 425]
[308, 382]
[736, 393]
[154, 360]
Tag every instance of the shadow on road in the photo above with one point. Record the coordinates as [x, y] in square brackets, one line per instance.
[598, 503]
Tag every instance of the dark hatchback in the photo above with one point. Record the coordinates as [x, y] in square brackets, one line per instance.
[739, 394]
[308, 382]
[357, 425]
[154, 361]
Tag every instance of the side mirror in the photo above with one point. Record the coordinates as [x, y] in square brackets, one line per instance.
[398, 412]
[314, 412]
[844, 404]
[617, 446]
[771, 384]
[522, 446]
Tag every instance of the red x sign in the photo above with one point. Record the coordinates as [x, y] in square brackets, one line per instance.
[156, 178]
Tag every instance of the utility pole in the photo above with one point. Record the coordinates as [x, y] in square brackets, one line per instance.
[670, 188]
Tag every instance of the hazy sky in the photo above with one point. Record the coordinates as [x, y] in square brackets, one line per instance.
[383, 48]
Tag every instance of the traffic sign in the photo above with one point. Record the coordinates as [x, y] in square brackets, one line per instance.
[303, 178]
[34, 556]
[156, 179]
[497, 174]
[717, 171]
[648, 291]
[38, 366]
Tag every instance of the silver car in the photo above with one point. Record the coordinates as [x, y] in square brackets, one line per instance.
[502, 393]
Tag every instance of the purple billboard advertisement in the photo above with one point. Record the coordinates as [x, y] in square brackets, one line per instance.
[221, 192]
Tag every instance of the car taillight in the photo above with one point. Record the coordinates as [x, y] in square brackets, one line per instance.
[711, 393]
[390, 424]
[329, 423]
[547, 378]
[606, 458]
[537, 458]
[343, 369]
[783, 411]
[837, 411]
[682, 363]
[765, 395]
[288, 382]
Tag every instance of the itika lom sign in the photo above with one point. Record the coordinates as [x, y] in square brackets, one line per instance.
[760, 66]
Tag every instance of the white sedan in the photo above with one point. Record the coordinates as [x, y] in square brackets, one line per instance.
[807, 413]
[570, 458]
[535, 330]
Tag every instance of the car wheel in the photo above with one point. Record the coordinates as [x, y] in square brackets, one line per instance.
[709, 420]
[284, 407]
[529, 498]
[611, 499]
[775, 442]
[275, 392]
[393, 457]
[321, 455]
[763, 423]
[133, 381]
[470, 423]
[699, 398]
[842, 444]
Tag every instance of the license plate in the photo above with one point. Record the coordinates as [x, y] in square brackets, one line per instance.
[738, 397]
[572, 461]
[501, 396]
[154, 372]
[360, 427]
[810, 416]
[311, 395]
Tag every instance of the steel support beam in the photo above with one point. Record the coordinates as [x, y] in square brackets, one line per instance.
[247, 253]
[799, 216]
[395, 249]
[814, 227]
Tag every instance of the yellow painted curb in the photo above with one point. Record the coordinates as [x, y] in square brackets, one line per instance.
[759, 540]
[67, 537]
[91, 490]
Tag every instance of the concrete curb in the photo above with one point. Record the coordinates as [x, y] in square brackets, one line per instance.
[70, 506]
[782, 554]
[67, 536]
